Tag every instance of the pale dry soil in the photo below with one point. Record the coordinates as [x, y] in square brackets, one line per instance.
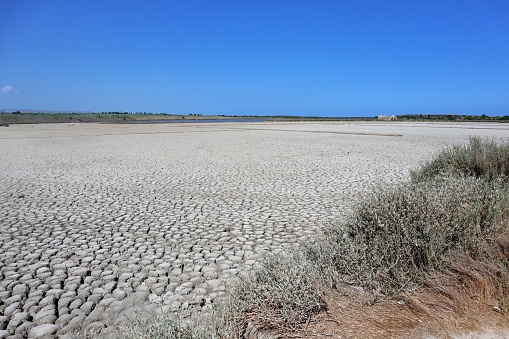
[102, 221]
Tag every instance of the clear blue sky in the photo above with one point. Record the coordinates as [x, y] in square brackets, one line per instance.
[330, 58]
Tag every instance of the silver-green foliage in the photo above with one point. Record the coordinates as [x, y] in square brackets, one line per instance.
[160, 327]
[479, 158]
[396, 234]
[281, 293]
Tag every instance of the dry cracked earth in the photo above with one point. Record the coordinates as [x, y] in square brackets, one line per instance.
[99, 222]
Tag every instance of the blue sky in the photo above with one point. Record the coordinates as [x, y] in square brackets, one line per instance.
[329, 58]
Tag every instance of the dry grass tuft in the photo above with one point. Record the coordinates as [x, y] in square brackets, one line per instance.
[160, 326]
[278, 295]
[166, 326]
[464, 297]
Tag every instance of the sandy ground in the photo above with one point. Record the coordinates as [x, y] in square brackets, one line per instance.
[100, 220]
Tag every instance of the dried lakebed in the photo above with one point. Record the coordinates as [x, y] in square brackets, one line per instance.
[99, 222]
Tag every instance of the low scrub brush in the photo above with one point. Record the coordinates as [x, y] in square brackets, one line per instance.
[278, 295]
[479, 158]
[396, 234]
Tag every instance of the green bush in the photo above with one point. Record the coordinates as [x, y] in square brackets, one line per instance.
[396, 234]
[480, 158]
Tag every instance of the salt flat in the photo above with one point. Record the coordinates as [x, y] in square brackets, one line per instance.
[97, 220]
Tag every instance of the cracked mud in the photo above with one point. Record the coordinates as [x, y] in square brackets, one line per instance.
[100, 221]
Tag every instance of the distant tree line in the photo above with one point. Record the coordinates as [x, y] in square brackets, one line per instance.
[142, 113]
[115, 112]
[452, 117]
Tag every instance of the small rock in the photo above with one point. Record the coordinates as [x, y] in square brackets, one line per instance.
[20, 289]
[79, 272]
[63, 320]
[24, 328]
[57, 292]
[16, 321]
[3, 320]
[142, 288]
[154, 298]
[88, 307]
[48, 300]
[75, 304]
[210, 275]
[74, 324]
[95, 298]
[106, 302]
[95, 328]
[119, 294]
[64, 302]
[12, 309]
[42, 330]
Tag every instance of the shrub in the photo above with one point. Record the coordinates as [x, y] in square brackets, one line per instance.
[396, 234]
[157, 327]
[278, 295]
[168, 327]
[480, 158]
